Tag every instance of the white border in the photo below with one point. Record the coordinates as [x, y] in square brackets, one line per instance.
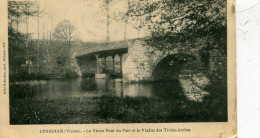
[248, 68]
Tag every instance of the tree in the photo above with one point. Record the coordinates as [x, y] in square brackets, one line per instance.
[182, 23]
[124, 16]
[18, 9]
[171, 21]
[18, 42]
[64, 32]
[31, 9]
[61, 56]
[106, 4]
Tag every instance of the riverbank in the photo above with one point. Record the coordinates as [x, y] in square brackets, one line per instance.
[101, 107]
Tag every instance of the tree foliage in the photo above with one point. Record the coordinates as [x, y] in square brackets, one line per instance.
[64, 32]
[186, 24]
[19, 9]
[177, 21]
[18, 52]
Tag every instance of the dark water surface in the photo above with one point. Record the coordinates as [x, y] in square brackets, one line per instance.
[88, 100]
[80, 87]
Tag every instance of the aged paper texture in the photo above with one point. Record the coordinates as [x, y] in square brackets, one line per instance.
[118, 68]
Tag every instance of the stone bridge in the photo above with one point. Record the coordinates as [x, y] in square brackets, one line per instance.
[135, 61]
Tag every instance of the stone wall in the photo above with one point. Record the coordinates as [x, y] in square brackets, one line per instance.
[141, 60]
[137, 64]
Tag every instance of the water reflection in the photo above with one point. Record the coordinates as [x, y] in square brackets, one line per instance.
[80, 87]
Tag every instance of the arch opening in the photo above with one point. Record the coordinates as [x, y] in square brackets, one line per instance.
[171, 66]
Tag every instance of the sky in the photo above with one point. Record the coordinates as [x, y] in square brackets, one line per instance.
[87, 16]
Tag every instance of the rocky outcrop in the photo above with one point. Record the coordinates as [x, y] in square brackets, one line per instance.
[193, 86]
[74, 67]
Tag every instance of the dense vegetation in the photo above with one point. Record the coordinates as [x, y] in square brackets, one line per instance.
[186, 24]
[38, 58]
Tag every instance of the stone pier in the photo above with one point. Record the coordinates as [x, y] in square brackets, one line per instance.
[136, 61]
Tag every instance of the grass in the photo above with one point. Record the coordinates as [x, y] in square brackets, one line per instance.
[112, 109]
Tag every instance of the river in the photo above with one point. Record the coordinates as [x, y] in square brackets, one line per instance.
[89, 100]
[80, 87]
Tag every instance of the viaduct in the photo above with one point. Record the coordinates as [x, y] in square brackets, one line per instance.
[135, 61]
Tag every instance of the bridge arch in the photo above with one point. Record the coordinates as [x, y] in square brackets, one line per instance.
[142, 61]
[172, 65]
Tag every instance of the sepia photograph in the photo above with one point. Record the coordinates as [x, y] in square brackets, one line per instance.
[117, 61]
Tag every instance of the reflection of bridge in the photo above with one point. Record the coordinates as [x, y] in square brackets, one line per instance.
[137, 61]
